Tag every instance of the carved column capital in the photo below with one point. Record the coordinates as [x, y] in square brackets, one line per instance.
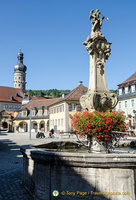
[99, 45]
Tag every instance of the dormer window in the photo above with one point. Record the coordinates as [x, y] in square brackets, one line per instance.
[129, 88]
[33, 112]
[19, 114]
[120, 91]
[133, 88]
[126, 90]
[39, 112]
[45, 112]
[24, 114]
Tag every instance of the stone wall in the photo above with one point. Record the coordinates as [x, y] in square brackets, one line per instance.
[79, 176]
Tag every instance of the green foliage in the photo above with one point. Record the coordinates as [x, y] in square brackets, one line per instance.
[51, 92]
[101, 125]
[114, 91]
[47, 93]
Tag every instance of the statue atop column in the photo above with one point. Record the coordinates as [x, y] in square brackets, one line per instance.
[98, 96]
[96, 22]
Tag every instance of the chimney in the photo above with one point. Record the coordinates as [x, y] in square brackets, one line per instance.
[64, 94]
[80, 83]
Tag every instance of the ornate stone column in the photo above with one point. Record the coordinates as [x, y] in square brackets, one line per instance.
[98, 96]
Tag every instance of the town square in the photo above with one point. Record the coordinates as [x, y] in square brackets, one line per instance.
[68, 101]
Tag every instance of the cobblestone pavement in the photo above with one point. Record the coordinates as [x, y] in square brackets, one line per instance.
[11, 164]
[10, 186]
[11, 167]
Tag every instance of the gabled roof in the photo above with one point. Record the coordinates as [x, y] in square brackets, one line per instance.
[39, 103]
[10, 94]
[74, 95]
[131, 79]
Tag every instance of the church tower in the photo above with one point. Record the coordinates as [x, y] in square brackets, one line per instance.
[20, 73]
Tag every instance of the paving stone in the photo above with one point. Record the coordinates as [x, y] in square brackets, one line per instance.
[10, 186]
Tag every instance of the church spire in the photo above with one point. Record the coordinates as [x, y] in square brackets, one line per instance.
[20, 72]
[20, 56]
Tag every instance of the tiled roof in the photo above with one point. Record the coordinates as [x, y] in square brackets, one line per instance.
[38, 98]
[74, 95]
[131, 79]
[10, 94]
[39, 103]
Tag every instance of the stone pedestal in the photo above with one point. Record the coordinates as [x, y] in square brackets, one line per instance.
[79, 176]
[96, 147]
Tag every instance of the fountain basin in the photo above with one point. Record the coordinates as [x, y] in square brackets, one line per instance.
[79, 175]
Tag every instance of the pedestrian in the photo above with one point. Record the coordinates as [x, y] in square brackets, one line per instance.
[52, 131]
[50, 134]
[38, 135]
[42, 133]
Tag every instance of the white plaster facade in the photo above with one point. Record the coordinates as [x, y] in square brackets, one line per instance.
[58, 117]
[127, 99]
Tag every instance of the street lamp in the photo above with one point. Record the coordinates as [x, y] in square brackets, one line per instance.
[30, 125]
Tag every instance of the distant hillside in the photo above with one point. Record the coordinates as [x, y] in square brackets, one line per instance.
[47, 93]
[51, 92]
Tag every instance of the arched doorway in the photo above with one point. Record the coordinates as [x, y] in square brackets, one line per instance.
[42, 126]
[23, 127]
[5, 125]
[34, 127]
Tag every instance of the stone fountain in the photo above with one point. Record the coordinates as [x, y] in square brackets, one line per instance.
[53, 175]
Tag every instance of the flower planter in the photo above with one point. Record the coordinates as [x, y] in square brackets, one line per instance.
[102, 129]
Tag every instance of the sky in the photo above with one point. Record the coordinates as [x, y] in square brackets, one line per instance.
[51, 34]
